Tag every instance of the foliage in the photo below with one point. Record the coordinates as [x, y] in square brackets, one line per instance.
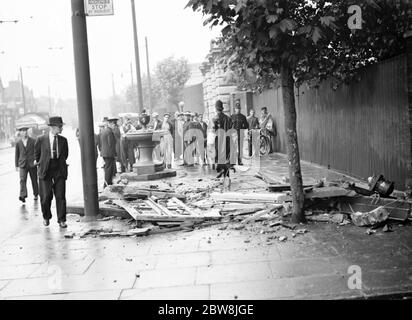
[172, 74]
[310, 37]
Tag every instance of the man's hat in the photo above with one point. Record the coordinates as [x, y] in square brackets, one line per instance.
[22, 128]
[155, 114]
[219, 105]
[55, 121]
[113, 119]
[105, 119]
[166, 114]
[187, 113]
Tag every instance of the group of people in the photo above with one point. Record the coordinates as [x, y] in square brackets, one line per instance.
[185, 139]
[44, 159]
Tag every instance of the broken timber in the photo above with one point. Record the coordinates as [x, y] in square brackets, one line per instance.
[250, 197]
[261, 213]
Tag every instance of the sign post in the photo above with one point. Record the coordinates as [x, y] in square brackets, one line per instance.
[84, 109]
[98, 7]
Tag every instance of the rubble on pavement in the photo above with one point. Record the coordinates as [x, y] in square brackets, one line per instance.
[188, 203]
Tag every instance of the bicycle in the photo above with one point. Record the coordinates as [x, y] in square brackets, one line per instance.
[264, 142]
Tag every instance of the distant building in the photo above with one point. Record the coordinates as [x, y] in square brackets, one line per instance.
[193, 90]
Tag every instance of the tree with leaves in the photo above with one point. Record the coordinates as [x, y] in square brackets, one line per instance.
[289, 42]
[172, 74]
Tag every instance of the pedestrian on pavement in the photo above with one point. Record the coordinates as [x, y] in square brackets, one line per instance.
[221, 121]
[240, 124]
[127, 145]
[203, 126]
[108, 152]
[168, 140]
[156, 122]
[253, 123]
[187, 139]
[50, 153]
[118, 158]
[267, 124]
[24, 160]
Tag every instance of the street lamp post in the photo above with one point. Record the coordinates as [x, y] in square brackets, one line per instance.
[136, 52]
[22, 91]
[84, 109]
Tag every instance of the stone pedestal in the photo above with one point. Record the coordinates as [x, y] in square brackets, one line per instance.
[145, 168]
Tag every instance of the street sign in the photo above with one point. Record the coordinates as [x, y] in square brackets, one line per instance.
[98, 7]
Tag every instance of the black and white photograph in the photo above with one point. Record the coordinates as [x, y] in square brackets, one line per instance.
[209, 154]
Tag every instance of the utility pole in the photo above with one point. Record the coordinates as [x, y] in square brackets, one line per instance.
[148, 77]
[131, 72]
[136, 53]
[113, 87]
[50, 102]
[22, 91]
[84, 109]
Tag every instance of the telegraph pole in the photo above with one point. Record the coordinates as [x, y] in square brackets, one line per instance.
[84, 109]
[136, 53]
[148, 77]
[22, 91]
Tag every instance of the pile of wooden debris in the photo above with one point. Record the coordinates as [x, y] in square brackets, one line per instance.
[164, 206]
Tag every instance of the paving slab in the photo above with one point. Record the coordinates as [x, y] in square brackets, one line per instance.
[169, 293]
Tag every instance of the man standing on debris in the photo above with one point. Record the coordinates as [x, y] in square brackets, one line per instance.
[24, 160]
[221, 121]
[267, 124]
[50, 153]
[253, 123]
[240, 124]
[108, 152]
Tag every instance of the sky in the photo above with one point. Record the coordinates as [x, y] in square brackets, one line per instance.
[41, 43]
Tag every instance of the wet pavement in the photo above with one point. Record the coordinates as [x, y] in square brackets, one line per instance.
[327, 262]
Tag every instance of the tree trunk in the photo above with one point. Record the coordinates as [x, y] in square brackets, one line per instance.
[295, 174]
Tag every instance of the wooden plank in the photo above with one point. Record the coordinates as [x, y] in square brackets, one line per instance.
[150, 203]
[160, 207]
[250, 197]
[329, 192]
[261, 213]
[126, 206]
[183, 205]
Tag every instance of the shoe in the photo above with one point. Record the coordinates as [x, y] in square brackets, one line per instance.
[62, 224]
[46, 222]
[36, 198]
[240, 163]
[22, 199]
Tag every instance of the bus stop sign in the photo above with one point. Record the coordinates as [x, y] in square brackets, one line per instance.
[98, 7]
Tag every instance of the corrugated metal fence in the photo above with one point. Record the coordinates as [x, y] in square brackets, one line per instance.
[361, 128]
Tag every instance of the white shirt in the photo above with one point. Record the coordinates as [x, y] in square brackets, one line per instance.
[51, 138]
[24, 140]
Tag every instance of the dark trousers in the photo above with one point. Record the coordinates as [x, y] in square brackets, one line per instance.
[219, 149]
[109, 170]
[23, 181]
[53, 183]
[239, 146]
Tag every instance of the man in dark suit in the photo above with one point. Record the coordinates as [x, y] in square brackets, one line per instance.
[240, 124]
[221, 121]
[50, 153]
[108, 151]
[24, 161]
[253, 125]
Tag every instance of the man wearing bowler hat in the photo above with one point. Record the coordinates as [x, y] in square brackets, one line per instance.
[50, 153]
